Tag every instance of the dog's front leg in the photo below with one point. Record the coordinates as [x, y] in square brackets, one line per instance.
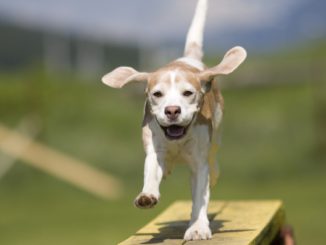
[153, 173]
[199, 224]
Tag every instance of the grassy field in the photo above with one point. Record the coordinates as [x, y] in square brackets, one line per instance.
[268, 152]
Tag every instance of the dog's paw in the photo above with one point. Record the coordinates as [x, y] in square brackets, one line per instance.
[198, 231]
[145, 200]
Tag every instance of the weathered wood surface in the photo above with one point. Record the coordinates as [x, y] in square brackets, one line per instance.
[232, 223]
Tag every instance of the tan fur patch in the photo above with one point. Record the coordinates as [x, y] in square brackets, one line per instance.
[209, 104]
[188, 72]
[210, 101]
[147, 133]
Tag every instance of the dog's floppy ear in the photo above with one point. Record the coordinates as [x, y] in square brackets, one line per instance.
[232, 59]
[123, 75]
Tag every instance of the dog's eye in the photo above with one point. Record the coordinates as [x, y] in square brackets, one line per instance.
[187, 93]
[158, 94]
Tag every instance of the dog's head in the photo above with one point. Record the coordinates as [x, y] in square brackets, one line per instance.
[175, 91]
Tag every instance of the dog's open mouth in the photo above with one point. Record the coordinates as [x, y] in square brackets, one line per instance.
[174, 132]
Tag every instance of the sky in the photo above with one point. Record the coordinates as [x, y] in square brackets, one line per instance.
[254, 22]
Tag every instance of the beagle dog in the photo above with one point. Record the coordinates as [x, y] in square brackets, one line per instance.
[183, 111]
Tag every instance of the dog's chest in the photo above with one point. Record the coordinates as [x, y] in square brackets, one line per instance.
[195, 146]
[174, 154]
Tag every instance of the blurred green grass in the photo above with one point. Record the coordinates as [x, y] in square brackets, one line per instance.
[267, 152]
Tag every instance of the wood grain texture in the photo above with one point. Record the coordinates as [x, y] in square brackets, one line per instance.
[232, 223]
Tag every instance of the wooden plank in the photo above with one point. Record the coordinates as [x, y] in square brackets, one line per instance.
[6, 161]
[232, 223]
[59, 165]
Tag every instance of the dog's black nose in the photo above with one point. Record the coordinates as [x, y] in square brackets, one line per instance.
[172, 112]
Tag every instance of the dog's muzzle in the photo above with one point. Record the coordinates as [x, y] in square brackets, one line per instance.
[174, 131]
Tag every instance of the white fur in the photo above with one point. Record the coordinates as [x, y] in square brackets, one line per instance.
[196, 30]
[172, 96]
[193, 149]
[192, 62]
[195, 146]
[197, 159]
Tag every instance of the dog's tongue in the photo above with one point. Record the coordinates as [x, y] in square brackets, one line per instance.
[175, 131]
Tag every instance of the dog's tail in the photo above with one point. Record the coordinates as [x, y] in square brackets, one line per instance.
[194, 42]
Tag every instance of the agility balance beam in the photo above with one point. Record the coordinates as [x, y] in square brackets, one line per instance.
[232, 223]
[60, 165]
